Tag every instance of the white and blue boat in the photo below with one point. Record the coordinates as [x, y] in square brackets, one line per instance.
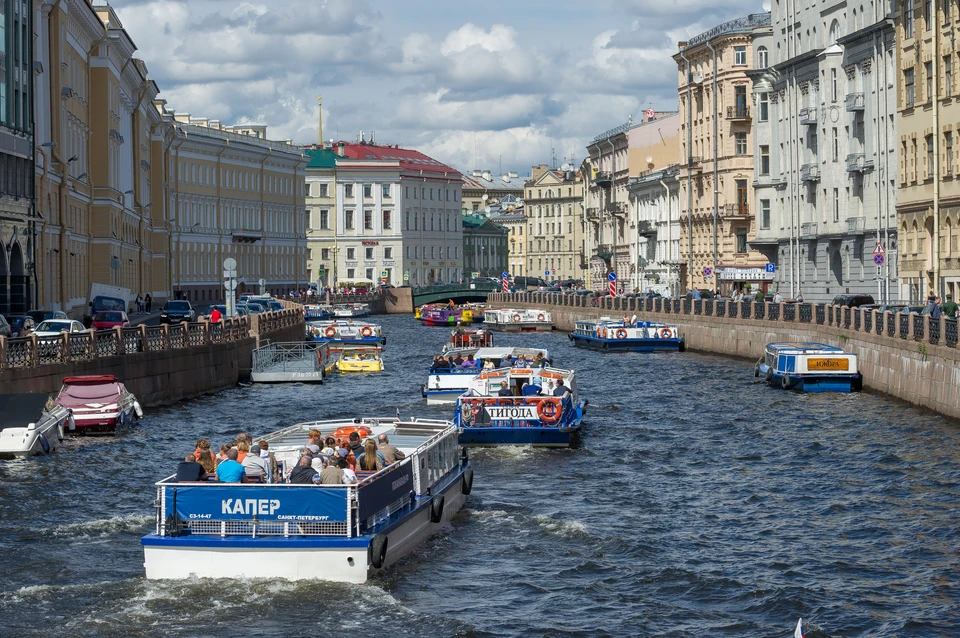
[345, 333]
[809, 367]
[620, 336]
[445, 384]
[517, 406]
[351, 310]
[317, 312]
[340, 533]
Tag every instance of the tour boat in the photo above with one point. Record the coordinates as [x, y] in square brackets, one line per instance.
[444, 384]
[31, 424]
[478, 310]
[99, 403]
[364, 359]
[351, 310]
[342, 333]
[643, 336]
[509, 320]
[524, 417]
[318, 312]
[470, 338]
[445, 315]
[343, 533]
[809, 367]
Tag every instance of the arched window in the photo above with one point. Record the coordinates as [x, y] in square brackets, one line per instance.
[835, 32]
[762, 58]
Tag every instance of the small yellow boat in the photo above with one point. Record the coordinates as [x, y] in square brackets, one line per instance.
[360, 360]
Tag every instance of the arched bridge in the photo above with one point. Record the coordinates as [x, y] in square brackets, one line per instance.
[458, 292]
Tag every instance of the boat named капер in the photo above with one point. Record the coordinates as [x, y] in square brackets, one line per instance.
[521, 406]
[642, 336]
[809, 367]
[326, 532]
[31, 424]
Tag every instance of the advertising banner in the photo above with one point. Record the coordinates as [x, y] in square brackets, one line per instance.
[267, 503]
[390, 487]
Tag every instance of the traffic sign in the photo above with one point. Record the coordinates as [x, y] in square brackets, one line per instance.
[707, 271]
[323, 272]
[612, 276]
[878, 259]
[878, 250]
[229, 274]
[230, 284]
[229, 263]
[505, 275]
[406, 276]
[546, 273]
[770, 268]
[383, 274]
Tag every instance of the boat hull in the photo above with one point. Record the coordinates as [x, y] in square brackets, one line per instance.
[443, 397]
[102, 423]
[337, 559]
[535, 326]
[811, 382]
[628, 345]
[18, 443]
[533, 436]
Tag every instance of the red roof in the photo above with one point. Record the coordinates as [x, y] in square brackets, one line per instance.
[410, 160]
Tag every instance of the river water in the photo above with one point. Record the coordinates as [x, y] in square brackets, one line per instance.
[701, 503]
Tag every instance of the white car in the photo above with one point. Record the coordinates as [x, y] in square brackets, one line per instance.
[53, 327]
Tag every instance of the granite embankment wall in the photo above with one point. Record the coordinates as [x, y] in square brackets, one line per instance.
[909, 360]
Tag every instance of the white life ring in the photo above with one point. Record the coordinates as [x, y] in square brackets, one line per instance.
[666, 333]
[516, 318]
[541, 317]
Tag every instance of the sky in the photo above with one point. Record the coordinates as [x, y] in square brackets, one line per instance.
[490, 84]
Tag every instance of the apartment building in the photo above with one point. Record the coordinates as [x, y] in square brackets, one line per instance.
[553, 203]
[716, 179]
[483, 189]
[321, 203]
[825, 154]
[485, 251]
[515, 222]
[927, 121]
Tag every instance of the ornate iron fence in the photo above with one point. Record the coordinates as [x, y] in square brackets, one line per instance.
[81, 346]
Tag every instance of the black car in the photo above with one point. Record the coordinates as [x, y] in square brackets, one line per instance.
[853, 301]
[22, 326]
[43, 315]
[177, 311]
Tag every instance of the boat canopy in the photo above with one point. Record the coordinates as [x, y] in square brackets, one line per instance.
[808, 347]
[500, 352]
[22, 409]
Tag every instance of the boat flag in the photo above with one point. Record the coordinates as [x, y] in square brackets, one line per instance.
[798, 632]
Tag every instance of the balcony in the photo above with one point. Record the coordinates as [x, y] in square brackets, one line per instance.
[808, 230]
[855, 225]
[645, 228]
[736, 210]
[858, 163]
[605, 252]
[740, 112]
[854, 101]
[616, 208]
[808, 117]
[695, 163]
[593, 213]
[810, 173]
[603, 179]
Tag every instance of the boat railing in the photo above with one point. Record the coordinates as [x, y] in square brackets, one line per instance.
[290, 357]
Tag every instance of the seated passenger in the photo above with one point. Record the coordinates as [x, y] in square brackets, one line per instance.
[469, 362]
[314, 439]
[304, 474]
[349, 476]
[390, 453]
[206, 459]
[331, 473]
[230, 471]
[489, 364]
[506, 362]
[254, 467]
[539, 361]
[370, 460]
[269, 461]
[243, 448]
[505, 392]
[458, 360]
[444, 364]
[561, 389]
[189, 471]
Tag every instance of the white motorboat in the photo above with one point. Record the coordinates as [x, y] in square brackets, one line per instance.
[510, 320]
[347, 310]
[31, 424]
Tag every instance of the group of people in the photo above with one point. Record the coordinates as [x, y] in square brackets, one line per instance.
[455, 361]
[330, 460]
[936, 308]
[144, 303]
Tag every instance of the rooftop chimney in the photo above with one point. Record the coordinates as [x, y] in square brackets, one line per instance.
[340, 149]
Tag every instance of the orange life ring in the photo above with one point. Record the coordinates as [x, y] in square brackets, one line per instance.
[330, 331]
[621, 333]
[666, 333]
[516, 317]
[541, 317]
[366, 331]
[347, 430]
[549, 410]
[603, 333]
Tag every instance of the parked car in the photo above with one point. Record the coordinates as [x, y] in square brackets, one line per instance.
[528, 283]
[43, 315]
[254, 308]
[109, 319]
[22, 326]
[274, 305]
[176, 312]
[704, 294]
[853, 301]
[5, 329]
[241, 310]
[53, 327]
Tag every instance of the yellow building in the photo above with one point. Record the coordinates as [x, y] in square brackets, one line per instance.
[555, 234]
[716, 156]
[515, 222]
[928, 124]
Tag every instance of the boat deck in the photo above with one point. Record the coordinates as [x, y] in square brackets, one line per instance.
[295, 362]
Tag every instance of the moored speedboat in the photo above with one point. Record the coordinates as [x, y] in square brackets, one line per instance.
[31, 424]
[342, 333]
[359, 360]
[349, 310]
[809, 367]
[521, 415]
[99, 403]
[340, 533]
[643, 336]
[447, 381]
[509, 320]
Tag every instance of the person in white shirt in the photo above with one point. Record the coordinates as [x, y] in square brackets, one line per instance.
[254, 466]
[777, 297]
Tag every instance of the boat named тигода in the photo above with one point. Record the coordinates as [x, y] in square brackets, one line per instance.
[327, 532]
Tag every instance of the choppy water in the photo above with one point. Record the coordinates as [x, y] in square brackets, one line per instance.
[701, 503]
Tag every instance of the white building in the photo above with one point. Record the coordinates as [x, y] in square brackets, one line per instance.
[655, 218]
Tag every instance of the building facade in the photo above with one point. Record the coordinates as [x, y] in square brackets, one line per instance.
[321, 203]
[485, 247]
[655, 215]
[606, 172]
[716, 179]
[516, 223]
[17, 211]
[927, 126]
[825, 156]
[555, 235]
[483, 189]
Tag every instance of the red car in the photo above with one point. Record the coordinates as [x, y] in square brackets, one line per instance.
[110, 319]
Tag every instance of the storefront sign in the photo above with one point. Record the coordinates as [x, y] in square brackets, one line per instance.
[731, 273]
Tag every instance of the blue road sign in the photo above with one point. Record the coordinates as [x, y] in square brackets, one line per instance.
[707, 271]
[878, 260]
[771, 268]
[612, 276]
[505, 275]
[546, 273]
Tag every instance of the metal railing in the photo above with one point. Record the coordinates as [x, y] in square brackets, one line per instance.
[893, 326]
[290, 357]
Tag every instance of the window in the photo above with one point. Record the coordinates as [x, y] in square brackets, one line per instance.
[908, 87]
[323, 190]
[324, 219]
[740, 100]
[833, 85]
[368, 219]
[348, 190]
[741, 240]
[368, 190]
[741, 143]
[350, 273]
[765, 213]
[348, 219]
[948, 151]
[928, 71]
[324, 254]
[836, 204]
[836, 145]
[368, 274]
[351, 254]
[907, 20]
[764, 107]
[948, 75]
[927, 14]
[388, 252]
[368, 253]
[739, 56]
[763, 58]
[929, 167]
[387, 222]
[764, 160]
